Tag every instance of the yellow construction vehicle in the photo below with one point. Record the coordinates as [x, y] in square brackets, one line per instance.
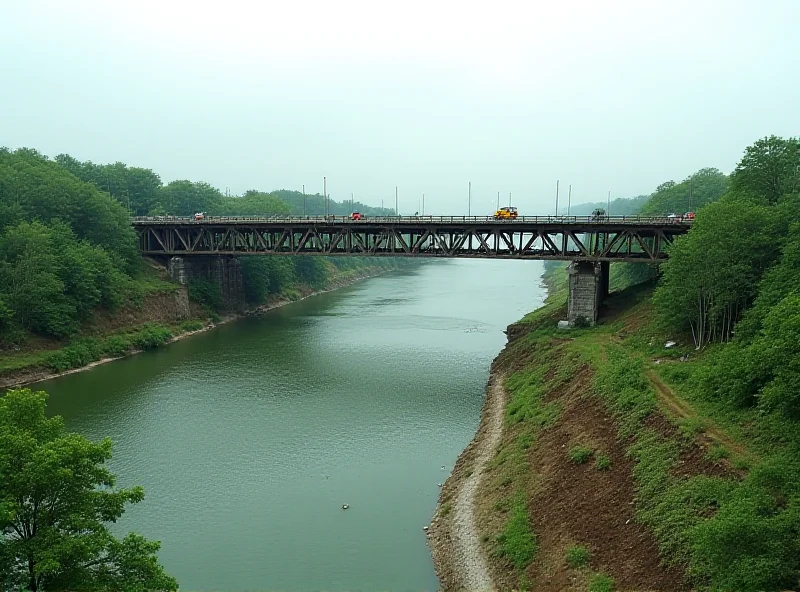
[506, 213]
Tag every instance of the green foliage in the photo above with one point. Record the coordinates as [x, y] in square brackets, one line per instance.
[135, 188]
[769, 169]
[315, 205]
[151, 337]
[578, 556]
[65, 247]
[700, 189]
[581, 323]
[207, 292]
[527, 390]
[580, 454]
[56, 499]
[602, 462]
[184, 198]
[191, 325]
[711, 277]
[601, 583]
[518, 542]
[255, 203]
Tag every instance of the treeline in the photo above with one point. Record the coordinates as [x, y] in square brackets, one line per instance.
[735, 280]
[693, 193]
[67, 247]
[142, 193]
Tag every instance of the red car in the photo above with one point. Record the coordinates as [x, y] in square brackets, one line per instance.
[689, 216]
[356, 216]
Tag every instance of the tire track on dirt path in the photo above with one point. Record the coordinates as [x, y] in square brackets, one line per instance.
[683, 409]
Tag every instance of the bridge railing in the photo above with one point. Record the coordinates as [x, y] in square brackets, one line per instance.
[411, 219]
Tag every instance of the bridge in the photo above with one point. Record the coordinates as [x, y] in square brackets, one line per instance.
[208, 247]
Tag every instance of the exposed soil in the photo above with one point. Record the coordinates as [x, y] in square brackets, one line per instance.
[578, 504]
[454, 539]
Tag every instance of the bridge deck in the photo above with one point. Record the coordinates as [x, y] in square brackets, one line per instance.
[625, 238]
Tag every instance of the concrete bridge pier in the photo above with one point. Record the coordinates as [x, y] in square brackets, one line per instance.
[588, 288]
[223, 270]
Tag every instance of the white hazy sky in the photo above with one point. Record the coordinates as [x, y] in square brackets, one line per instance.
[613, 95]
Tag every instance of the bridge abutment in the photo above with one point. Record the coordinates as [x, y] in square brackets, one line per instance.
[588, 287]
[224, 271]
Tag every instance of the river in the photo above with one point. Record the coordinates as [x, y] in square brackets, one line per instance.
[249, 438]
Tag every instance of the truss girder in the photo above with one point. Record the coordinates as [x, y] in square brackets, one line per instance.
[624, 243]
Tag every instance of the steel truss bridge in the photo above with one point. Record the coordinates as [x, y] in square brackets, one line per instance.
[622, 238]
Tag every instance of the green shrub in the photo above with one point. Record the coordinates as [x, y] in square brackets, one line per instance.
[581, 323]
[116, 346]
[602, 462]
[518, 542]
[191, 325]
[579, 454]
[601, 583]
[717, 452]
[151, 337]
[206, 292]
[578, 556]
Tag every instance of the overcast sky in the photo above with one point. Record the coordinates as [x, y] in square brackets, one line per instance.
[613, 95]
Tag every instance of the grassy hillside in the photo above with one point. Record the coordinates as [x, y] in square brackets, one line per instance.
[630, 464]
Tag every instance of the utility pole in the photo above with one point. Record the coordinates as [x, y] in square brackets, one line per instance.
[351, 202]
[691, 190]
[569, 198]
[556, 197]
[498, 200]
[325, 193]
[423, 204]
[509, 199]
[608, 204]
[304, 200]
[469, 199]
[396, 208]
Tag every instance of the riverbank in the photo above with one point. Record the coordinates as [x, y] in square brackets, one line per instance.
[177, 331]
[455, 543]
[573, 480]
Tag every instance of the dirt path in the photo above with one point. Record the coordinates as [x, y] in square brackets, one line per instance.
[455, 543]
[683, 409]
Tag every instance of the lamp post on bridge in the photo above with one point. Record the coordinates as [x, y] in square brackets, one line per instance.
[569, 199]
[304, 200]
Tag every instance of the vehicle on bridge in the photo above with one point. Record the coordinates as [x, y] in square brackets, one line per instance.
[598, 215]
[506, 213]
[689, 216]
[356, 216]
[199, 215]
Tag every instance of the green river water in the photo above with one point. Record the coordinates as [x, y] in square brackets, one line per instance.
[249, 438]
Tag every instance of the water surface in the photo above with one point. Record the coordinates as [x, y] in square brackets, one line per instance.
[250, 437]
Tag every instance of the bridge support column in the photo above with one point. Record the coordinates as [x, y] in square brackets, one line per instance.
[588, 287]
[224, 271]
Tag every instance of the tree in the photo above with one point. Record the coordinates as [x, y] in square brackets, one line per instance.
[56, 497]
[254, 203]
[184, 198]
[712, 274]
[770, 168]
